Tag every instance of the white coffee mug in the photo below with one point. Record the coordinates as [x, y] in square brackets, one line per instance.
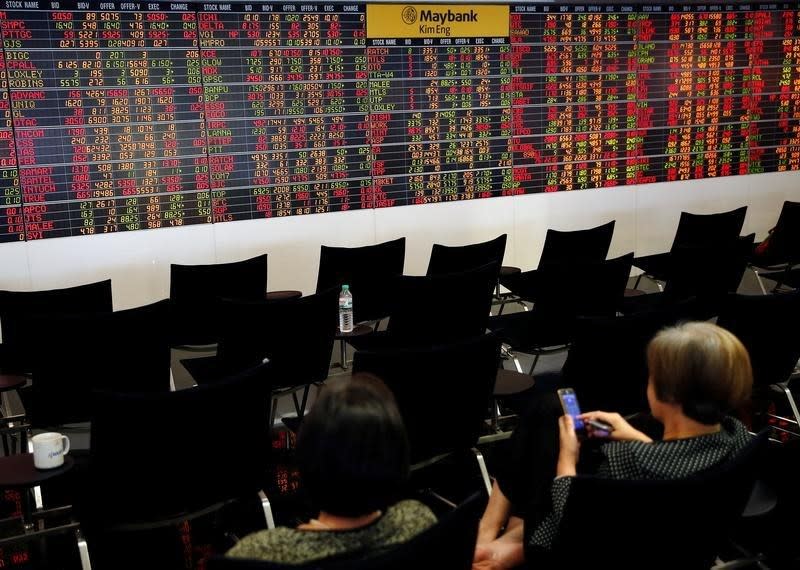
[49, 450]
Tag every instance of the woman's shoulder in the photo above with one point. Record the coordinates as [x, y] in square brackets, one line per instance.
[281, 543]
[676, 458]
[409, 514]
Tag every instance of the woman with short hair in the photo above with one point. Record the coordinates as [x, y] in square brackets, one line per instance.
[352, 453]
[698, 374]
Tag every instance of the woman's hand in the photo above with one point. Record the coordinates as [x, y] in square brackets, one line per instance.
[502, 553]
[622, 430]
[569, 448]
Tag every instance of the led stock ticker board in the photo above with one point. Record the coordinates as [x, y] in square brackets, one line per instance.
[129, 115]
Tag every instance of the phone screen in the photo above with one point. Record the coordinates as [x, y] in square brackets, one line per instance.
[570, 403]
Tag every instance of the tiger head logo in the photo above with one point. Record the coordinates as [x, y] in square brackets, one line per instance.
[409, 15]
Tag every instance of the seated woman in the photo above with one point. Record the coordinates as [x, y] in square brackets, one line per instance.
[352, 454]
[698, 372]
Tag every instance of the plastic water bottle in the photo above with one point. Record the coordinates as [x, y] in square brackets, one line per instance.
[346, 310]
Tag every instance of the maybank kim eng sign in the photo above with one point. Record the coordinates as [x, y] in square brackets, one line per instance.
[436, 20]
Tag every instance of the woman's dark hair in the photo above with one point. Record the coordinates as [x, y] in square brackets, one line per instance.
[352, 448]
[702, 367]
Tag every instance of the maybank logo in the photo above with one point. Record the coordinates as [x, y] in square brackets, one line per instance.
[445, 17]
[409, 15]
[427, 20]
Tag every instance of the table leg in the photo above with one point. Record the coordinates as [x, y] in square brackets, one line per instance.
[4, 413]
[343, 353]
[27, 510]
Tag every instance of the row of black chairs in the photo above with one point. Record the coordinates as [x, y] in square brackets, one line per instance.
[297, 334]
[162, 483]
[484, 278]
[196, 451]
[370, 272]
[464, 276]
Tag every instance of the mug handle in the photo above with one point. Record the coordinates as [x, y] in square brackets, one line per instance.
[66, 444]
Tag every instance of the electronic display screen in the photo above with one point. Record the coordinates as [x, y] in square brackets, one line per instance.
[121, 116]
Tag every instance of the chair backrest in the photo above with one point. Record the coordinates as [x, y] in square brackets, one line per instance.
[189, 450]
[607, 360]
[580, 288]
[296, 335]
[709, 270]
[123, 351]
[368, 271]
[194, 291]
[447, 545]
[635, 520]
[441, 308]
[561, 293]
[442, 391]
[784, 243]
[245, 279]
[447, 259]
[767, 326]
[18, 306]
[589, 245]
[699, 229]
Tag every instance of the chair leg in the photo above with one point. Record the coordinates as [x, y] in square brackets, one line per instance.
[760, 281]
[343, 353]
[267, 507]
[495, 419]
[506, 352]
[83, 551]
[300, 407]
[791, 401]
[484, 472]
[533, 365]
[37, 491]
[273, 411]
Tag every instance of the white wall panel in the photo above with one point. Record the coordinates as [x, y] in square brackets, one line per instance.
[138, 262]
[450, 223]
[293, 243]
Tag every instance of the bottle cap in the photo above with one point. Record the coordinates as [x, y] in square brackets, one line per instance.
[345, 287]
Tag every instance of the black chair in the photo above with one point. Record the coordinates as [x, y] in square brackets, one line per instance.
[18, 306]
[121, 351]
[425, 382]
[693, 230]
[783, 250]
[295, 335]
[435, 309]
[767, 326]
[708, 272]
[653, 523]
[368, 271]
[195, 289]
[192, 452]
[607, 360]
[447, 545]
[560, 296]
[588, 245]
[447, 259]
[456, 305]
